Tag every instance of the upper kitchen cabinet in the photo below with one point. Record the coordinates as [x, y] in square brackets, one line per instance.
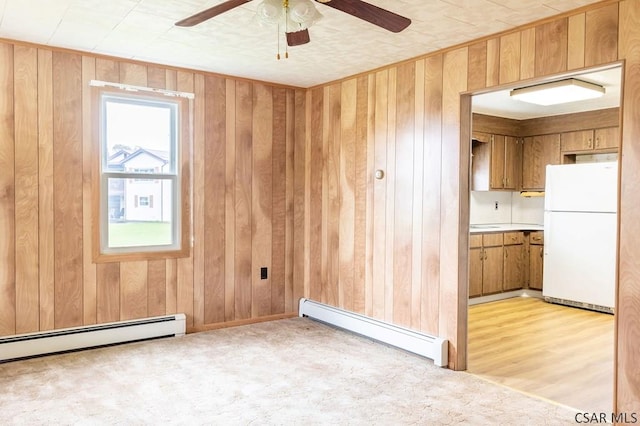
[590, 141]
[496, 157]
[538, 152]
[505, 162]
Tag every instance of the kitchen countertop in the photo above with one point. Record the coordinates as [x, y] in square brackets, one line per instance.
[503, 227]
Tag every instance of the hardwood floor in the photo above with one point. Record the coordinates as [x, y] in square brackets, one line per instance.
[560, 353]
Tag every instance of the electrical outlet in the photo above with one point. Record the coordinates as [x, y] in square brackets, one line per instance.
[263, 273]
[496, 206]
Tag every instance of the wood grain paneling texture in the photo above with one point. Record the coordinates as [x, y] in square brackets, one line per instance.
[627, 377]
[242, 160]
[391, 248]
[541, 50]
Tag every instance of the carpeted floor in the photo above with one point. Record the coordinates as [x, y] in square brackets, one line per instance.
[286, 372]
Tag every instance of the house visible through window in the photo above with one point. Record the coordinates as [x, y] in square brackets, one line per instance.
[141, 204]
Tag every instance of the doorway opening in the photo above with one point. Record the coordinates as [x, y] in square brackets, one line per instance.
[520, 333]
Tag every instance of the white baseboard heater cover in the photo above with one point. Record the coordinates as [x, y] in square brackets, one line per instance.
[76, 338]
[422, 344]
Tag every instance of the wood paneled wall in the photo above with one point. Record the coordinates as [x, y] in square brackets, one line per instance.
[412, 121]
[284, 178]
[243, 199]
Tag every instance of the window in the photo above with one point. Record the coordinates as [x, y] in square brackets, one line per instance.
[142, 184]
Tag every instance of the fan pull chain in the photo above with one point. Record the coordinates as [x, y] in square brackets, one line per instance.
[278, 39]
[285, 4]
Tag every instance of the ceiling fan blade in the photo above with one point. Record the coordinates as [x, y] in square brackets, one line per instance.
[210, 13]
[298, 38]
[370, 13]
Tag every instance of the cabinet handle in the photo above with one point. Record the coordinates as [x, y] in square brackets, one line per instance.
[597, 142]
[589, 143]
[481, 254]
[485, 255]
[506, 254]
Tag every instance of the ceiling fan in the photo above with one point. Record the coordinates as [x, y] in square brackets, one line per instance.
[302, 14]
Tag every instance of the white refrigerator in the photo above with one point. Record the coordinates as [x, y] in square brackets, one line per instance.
[580, 232]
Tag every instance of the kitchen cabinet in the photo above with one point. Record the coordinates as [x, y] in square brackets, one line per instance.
[536, 256]
[475, 265]
[515, 261]
[505, 162]
[496, 162]
[501, 262]
[537, 153]
[592, 140]
[486, 264]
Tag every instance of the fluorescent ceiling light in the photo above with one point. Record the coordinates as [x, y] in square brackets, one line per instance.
[558, 92]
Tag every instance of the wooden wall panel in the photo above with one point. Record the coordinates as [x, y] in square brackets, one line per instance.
[390, 180]
[67, 163]
[279, 161]
[453, 191]
[510, 58]
[290, 285]
[601, 35]
[315, 189]
[133, 294]
[576, 41]
[363, 163]
[198, 207]
[243, 200]
[404, 177]
[301, 196]
[477, 78]
[46, 266]
[527, 53]
[185, 291]
[7, 194]
[108, 292]
[346, 229]
[261, 200]
[432, 180]
[417, 205]
[493, 62]
[157, 290]
[214, 199]
[88, 267]
[380, 193]
[551, 47]
[49, 279]
[627, 374]
[229, 300]
[26, 188]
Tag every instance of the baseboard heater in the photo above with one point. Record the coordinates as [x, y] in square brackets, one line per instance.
[76, 338]
[422, 344]
[583, 305]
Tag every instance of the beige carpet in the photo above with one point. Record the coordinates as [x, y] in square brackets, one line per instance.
[293, 371]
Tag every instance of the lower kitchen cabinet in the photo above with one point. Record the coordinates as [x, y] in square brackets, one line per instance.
[492, 270]
[500, 262]
[515, 263]
[536, 256]
[486, 267]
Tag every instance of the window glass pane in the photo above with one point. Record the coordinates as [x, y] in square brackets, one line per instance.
[138, 136]
[140, 212]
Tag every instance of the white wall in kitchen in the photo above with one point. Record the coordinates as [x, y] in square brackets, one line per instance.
[483, 205]
[512, 208]
[527, 209]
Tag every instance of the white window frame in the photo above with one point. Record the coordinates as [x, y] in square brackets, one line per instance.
[176, 172]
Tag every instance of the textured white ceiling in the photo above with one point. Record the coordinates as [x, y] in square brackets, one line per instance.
[234, 43]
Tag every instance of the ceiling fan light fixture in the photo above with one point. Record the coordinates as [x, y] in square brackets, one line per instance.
[270, 11]
[303, 12]
[558, 92]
